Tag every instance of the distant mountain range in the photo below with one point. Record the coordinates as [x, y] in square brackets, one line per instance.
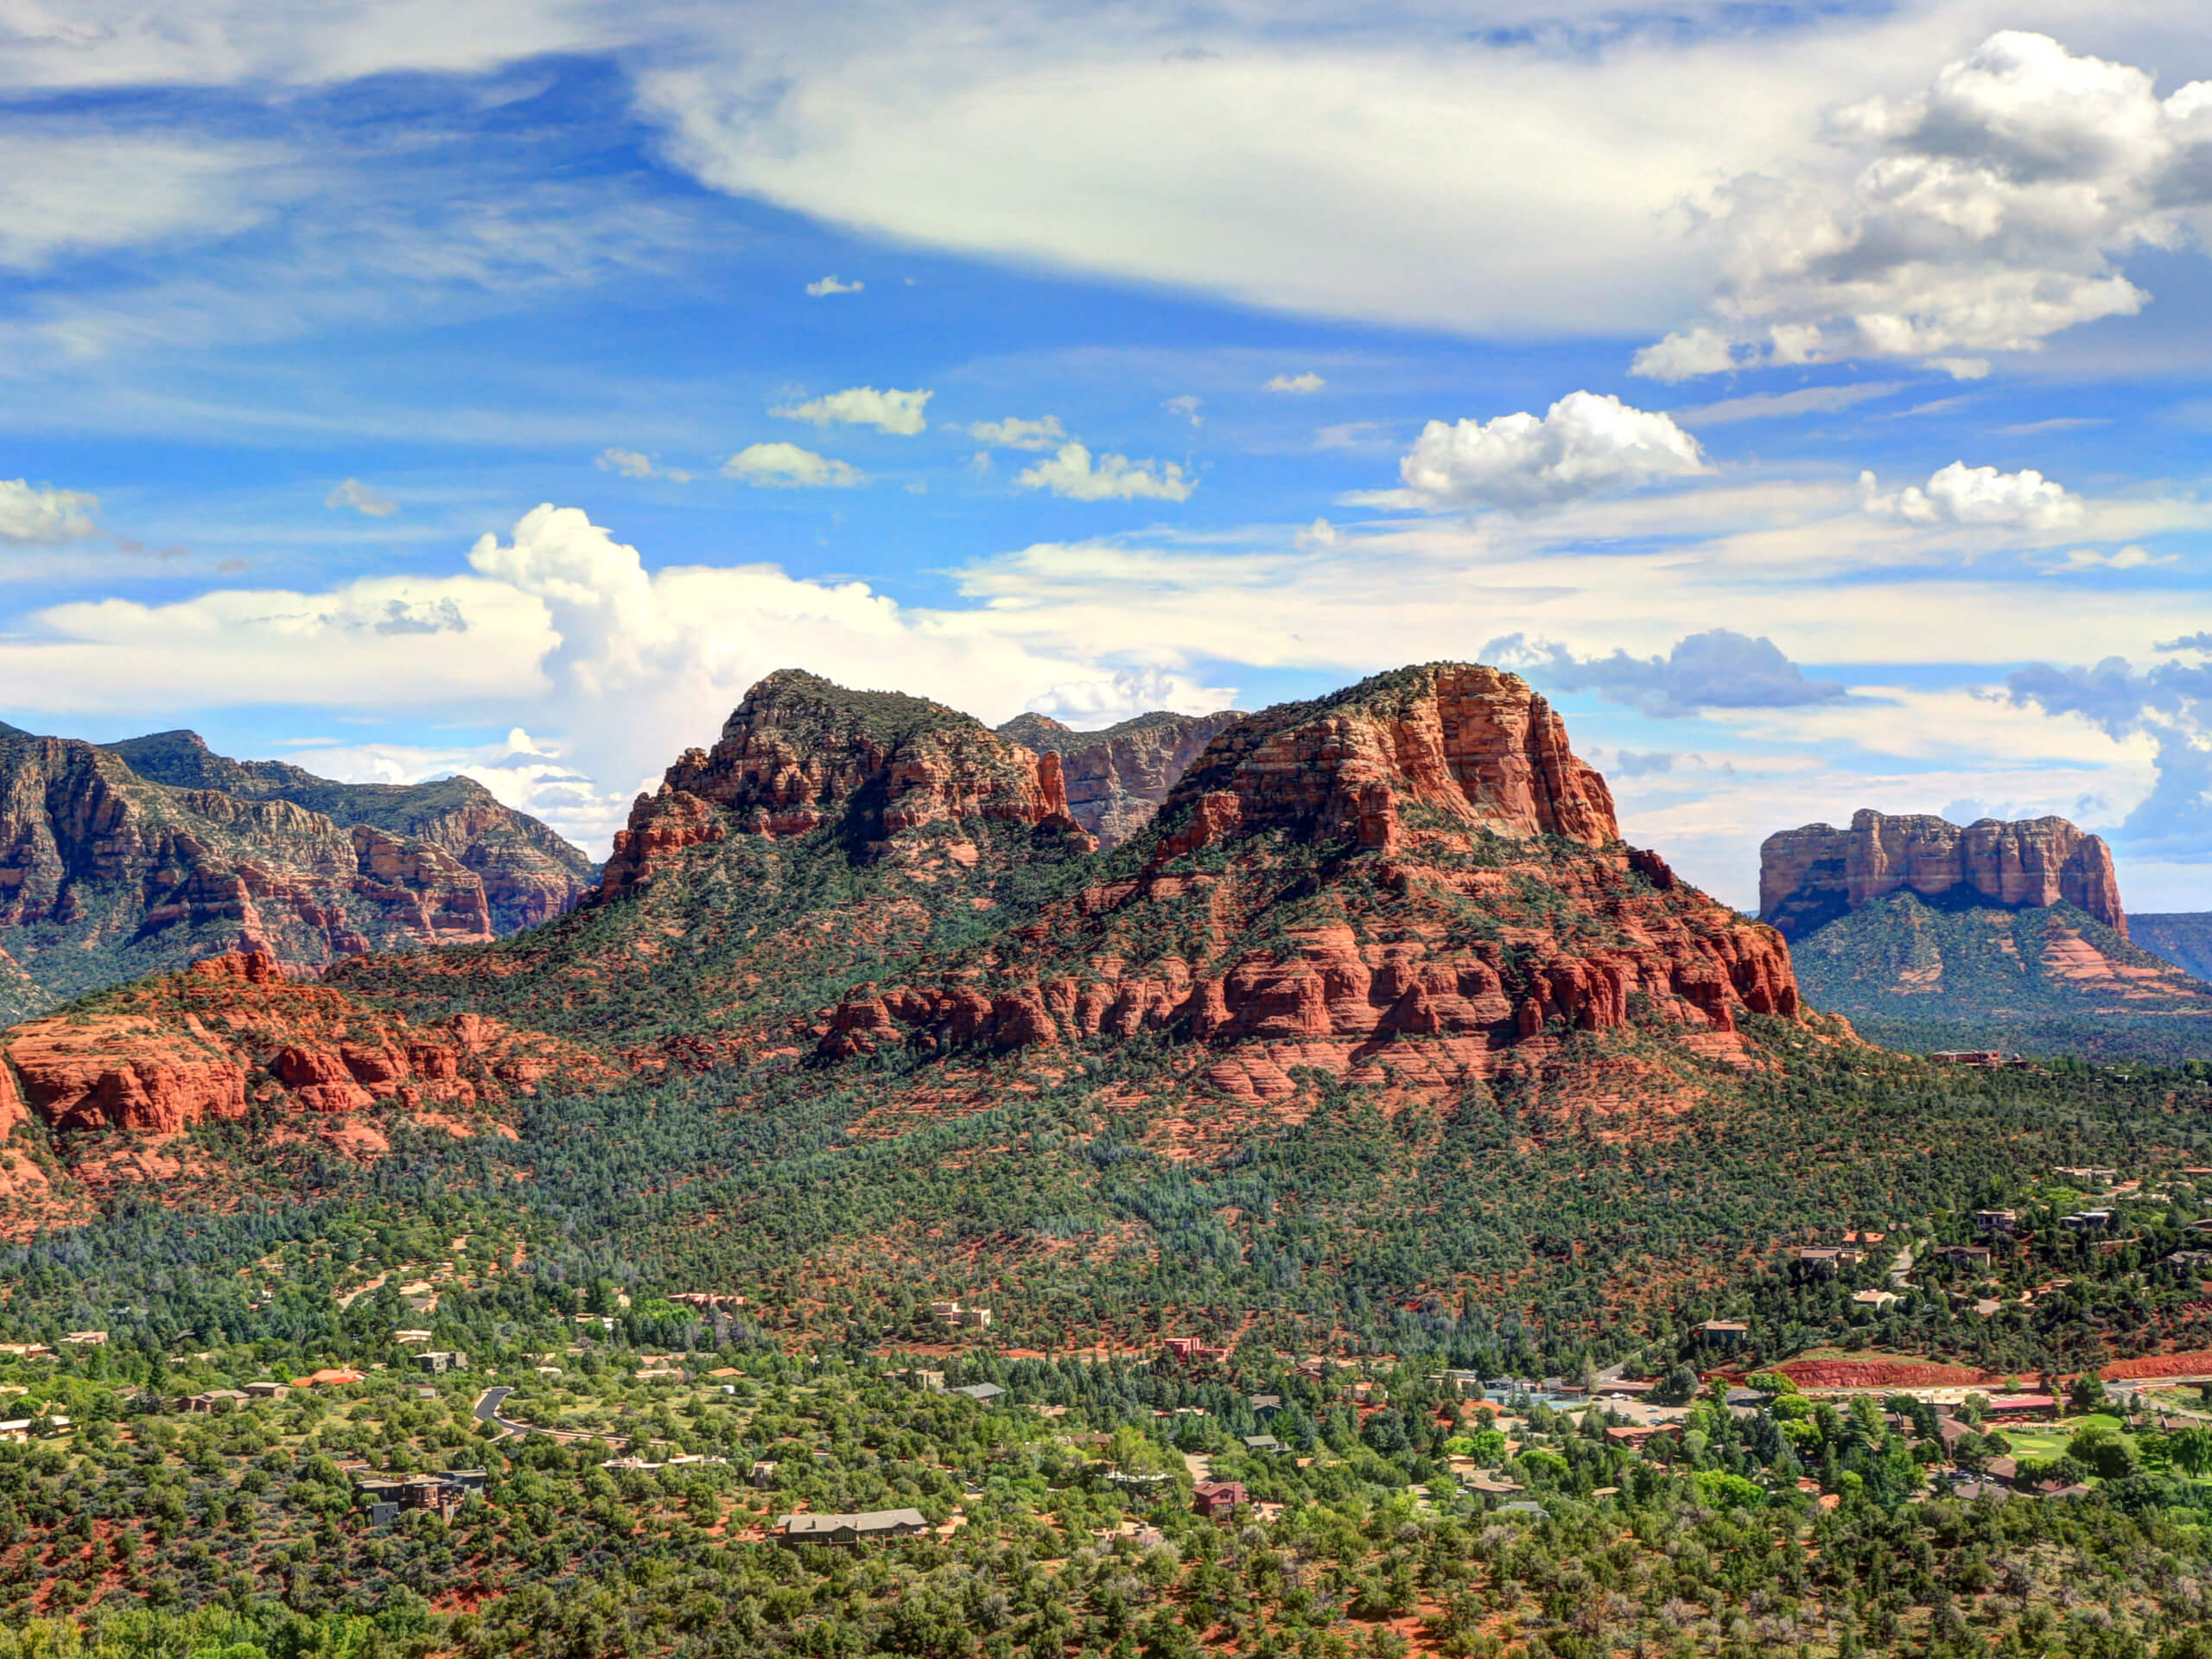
[1928, 934]
[122, 858]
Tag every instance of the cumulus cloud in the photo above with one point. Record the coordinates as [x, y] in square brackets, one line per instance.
[1983, 214]
[1717, 669]
[786, 466]
[1960, 494]
[896, 412]
[1584, 444]
[632, 463]
[44, 515]
[1319, 534]
[1013, 434]
[1186, 407]
[359, 496]
[1072, 473]
[829, 285]
[1296, 385]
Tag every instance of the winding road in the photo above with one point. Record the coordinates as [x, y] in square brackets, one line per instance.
[487, 1411]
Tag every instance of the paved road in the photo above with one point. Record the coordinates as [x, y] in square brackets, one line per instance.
[1901, 1268]
[487, 1410]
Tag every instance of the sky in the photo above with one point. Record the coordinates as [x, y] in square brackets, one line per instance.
[1816, 402]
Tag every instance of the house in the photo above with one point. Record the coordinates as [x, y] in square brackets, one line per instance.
[550, 1373]
[764, 1474]
[266, 1390]
[930, 1381]
[383, 1515]
[2021, 1405]
[1822, 1260]
[1997, 1221]
[1721, 1333]
[1189, 1351]
[2189, 1259]
[1877, 1299]
[1970, 1255]
[2087, 1221]
[1464, 1385]
[984, 1393]
[1534, 1510]
[2088, 1174]
[410, 1335]
[1634, 1435]
[1980, 1057]
[19, 1428]
[867, 1526]
[215, 1400]
[1264, 1443]
[1264, 1406]
[1624, 1388]
[1216, 1498]
[86, 1339]
[438, 1361]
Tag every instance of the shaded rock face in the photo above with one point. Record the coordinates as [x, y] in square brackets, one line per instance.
[801, 753]
[1497, 913]
[104, 875]
[1118, 778]
[529, 875]
[1810, 876]
[2183, 937]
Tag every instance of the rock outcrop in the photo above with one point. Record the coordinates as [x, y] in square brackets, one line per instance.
[203, 1045]
[800, 754]
[1810, 876]
[1118, 778]
[105, 872]
[1447, 794]
[530, 873]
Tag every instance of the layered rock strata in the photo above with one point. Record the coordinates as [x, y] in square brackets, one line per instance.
[800, 754]
[204, 1044]
[1117, 778]
[1452, 790]
[1809, 876]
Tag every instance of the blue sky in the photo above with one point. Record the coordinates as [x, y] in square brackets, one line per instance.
[503, 385]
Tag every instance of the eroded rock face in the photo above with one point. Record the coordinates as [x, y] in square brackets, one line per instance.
[1117, 778]
[1455, 743]
[105, 874]
[1809, 876]
[1452, 802]
[186, 1048]
[529, 875]
[801, 753]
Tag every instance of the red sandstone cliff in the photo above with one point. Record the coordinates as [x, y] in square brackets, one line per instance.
[186, 1048]
[801, 753]
[1483, 911]
[1811, 875]
[1117, 778]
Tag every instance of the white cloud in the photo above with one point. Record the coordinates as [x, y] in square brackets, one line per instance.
[1113, 478]
[1772, 405]
[66, 192]
[1296, 385]
[829, 285]
[632, 463]
[359, 496]
[787, 466]
[1319, 534]
[2134, 557]
[1684, 357]
[1983, 214]
[1586, 444]
[43, 515]
[1960, 494]
[896, 412]
[1015, 434]
[1186, 407]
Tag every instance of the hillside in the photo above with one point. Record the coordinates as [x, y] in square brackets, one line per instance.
[108, 871]
[2181, 938]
